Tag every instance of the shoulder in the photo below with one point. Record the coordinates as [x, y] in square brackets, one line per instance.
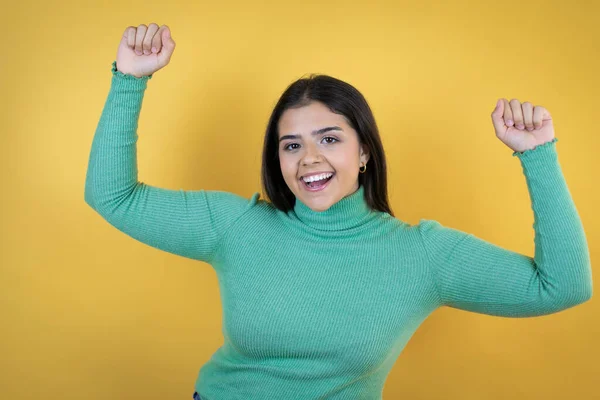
[429, 226]
[252, 205]
[439, 238]
[231, 200]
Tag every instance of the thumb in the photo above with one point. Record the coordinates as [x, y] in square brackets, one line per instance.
[168, 46]
[497, 118]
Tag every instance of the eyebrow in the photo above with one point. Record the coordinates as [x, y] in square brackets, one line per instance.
[313, 133]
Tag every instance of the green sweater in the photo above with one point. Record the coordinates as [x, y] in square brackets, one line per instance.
[319, 305]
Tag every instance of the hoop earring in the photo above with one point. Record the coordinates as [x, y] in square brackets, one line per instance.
[362, 171]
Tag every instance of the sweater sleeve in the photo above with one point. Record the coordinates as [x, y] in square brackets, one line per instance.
[186, 223]
[474, 275]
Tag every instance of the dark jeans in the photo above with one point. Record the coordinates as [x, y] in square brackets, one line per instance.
[197, 396]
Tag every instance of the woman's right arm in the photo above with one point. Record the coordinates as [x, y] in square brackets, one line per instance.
[187, 223]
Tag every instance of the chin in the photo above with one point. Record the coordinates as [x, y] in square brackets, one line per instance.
[317, 207]
[319, 203]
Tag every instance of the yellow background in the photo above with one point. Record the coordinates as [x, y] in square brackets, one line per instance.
[88, 312]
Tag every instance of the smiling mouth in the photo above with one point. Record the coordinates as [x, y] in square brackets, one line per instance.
[317, 184]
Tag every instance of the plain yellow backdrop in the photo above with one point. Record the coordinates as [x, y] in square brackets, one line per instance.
[88, 312]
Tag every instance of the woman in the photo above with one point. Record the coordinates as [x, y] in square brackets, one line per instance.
[322, 287]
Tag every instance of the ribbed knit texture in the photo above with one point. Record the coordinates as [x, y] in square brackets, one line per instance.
[319, 305]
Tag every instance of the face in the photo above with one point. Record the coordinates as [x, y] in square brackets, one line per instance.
[333, 147]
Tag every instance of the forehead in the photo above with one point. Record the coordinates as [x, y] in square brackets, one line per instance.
[307, 118]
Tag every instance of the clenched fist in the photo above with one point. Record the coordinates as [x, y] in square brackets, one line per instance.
[522, 126]
[144, 50]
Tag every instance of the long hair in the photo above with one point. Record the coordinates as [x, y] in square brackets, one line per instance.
[341, 98]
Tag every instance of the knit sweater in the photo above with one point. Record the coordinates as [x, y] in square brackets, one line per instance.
[319, 305]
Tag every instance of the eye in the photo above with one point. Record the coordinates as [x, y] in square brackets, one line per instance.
[326, 137]
[287, 147]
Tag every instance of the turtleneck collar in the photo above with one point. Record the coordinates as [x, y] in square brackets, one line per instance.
[347, 213]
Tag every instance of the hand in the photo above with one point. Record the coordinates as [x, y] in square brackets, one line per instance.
[135, 55]
[522, 126]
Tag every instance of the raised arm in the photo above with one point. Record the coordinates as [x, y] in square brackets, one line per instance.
[187, 223]
[474, 275]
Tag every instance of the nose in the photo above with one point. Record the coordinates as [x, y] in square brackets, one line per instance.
[312, 154]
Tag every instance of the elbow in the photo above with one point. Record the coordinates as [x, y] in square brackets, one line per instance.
[87, 197]
[573, 299]
[587, 295]
[572, 295]
[581, 295]
[582, 289]
[587, 285]
[87, 193]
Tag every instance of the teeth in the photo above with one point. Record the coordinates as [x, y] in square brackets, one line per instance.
[317, 177]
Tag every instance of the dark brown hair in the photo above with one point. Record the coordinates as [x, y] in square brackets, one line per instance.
[341, 98]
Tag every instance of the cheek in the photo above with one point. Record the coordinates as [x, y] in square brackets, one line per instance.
[344, 165]
[288, 169]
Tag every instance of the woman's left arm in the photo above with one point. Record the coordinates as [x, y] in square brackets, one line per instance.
[474, 275]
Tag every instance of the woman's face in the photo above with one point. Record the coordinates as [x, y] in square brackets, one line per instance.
[335, 149]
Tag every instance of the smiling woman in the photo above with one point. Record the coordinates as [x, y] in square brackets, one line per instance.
[323, 287]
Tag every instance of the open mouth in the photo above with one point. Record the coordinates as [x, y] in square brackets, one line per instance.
[317, 185]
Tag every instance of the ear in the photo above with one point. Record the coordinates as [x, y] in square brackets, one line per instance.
[364, 153]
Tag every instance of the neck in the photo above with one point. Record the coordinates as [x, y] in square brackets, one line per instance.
[349, 212]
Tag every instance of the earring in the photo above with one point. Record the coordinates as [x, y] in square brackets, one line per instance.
[362, 171]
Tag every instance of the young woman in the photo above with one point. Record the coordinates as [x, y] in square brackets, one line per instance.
[322, 287]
